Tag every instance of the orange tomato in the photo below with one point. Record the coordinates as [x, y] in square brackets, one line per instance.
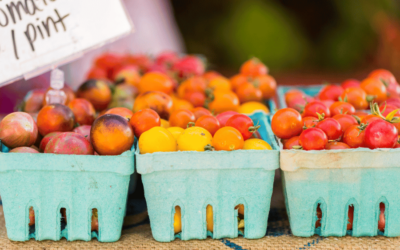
[287, 123]
[181, 104]
[144, 120]
[156, 81]
[375, 87]
[356, 97]
[267, 85]
[208, 122]
[155, 100]
[124, 112]
[224, 101]
[220, 84]
[228, 138]
[200, 111]
[196, 98]
[253, 67]
[181, 118]
[237, 80]
[193, 84]
[249, 93]
[210, 75]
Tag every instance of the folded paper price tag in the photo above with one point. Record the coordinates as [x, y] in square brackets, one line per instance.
[37, 35]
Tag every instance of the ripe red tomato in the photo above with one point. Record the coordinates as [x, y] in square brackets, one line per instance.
[196, 98]
[294, 141]
[224, 116]
[354, 136]
[144, 120]
[349, 83]
[345, 121]
[313, 139]
[309, 122]
[208, 122]
[381, 134]
[253, 67]
[388, 80]
[331, 128]
[395, 101]
[314, 107]
[286, 123]
[243, 124]
[342, 108]
[334, 145]
[386, 109]
[330, 92]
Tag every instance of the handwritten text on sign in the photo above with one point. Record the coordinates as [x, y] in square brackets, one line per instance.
[38, 34]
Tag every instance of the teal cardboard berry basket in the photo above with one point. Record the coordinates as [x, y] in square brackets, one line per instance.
[193, 180]
[337, 179]
[77, 183]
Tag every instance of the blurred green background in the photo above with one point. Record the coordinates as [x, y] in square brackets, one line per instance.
[292, 35]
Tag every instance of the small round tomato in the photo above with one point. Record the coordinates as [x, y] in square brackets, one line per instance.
[370, 118]
[395, 101]
[328, 103]
[224, 101]
[293, 94]
[388, 108]
[194, 139]
[342, 108]
[334, 145]
[256, 144]
[294, 141]
[267, 85]
[349, 83]
[244, 124]
[220, 84]
[355, 96]
[181, 118]
[157, 139]
[210, 75]
[124, 112]
[330, 92]
[253, 67]
[176, 131]
[224, 117]
[180, 104]
[313, 139]
[299, 103]
[200, 111]
[155, 100]
[286, 123]
[345, 121]
[354, 136]
[193, 84]
[228, 138]
[208, 122]
[238, 80]
[331, 128]
[314, 107]
[388, 79]
[374, 87]
[249, 93]
[309, 122]
[381, 134]
[144, 120]
[360, 114]
[197, 99]
[155, 81]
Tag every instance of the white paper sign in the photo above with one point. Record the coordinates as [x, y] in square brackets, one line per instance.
[37, 35]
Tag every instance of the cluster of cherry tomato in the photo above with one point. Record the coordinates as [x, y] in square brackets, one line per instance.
[196, 131]
[331, 120]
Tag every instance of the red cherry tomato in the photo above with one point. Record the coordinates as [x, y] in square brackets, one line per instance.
[350, 83]
[294, 141]
[208, 122]
[314, 107]
[342, 108]
[309, 122]
[286, 123]
[370, 118]
[313, 139]
[331, 128]
[144, 120]
[334, 145]
[388, 80]
[224, 117]
[181, 118]
[243, 124]
[354, 136]
[330, 92]
[386, 109]
[381, 134]
[345, 121]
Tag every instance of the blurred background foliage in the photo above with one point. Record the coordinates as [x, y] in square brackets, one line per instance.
[330, 35]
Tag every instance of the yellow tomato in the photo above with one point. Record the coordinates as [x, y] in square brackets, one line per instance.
[220, 84]
[164, 123]
[194, 139]
[210, 218]
[157, 139]
[256, 144]
[251, 107]
[177, 220]
[175, 131]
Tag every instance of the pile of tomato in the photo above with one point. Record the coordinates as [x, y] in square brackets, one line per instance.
[337, 118]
